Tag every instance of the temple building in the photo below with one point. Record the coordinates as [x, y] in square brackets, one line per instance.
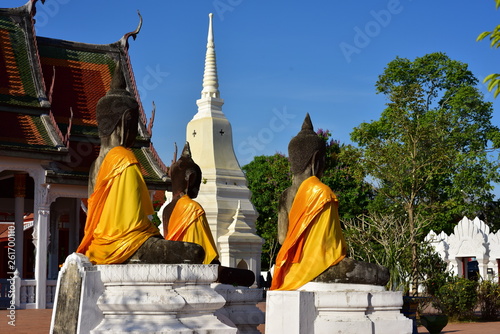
[223, 193]
[49, 89]
[471, 251]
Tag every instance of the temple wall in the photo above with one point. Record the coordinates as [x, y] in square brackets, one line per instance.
[471, 240]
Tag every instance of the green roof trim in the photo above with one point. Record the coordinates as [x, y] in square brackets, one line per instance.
[18, 40]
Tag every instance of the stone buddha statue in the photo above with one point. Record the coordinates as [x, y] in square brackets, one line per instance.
[313, 245]
[184, 219]
[118, 229]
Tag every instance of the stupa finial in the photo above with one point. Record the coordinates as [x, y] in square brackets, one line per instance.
[210, 80]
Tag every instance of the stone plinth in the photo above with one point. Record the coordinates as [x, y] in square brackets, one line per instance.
[241, 307]
[319, 308]
[139, 298]
[159, 298]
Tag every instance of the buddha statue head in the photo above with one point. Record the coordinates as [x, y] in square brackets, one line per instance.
[307, 149]
[117, 113]
[185, 175]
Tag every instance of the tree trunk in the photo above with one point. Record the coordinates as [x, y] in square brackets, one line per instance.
[414, 257]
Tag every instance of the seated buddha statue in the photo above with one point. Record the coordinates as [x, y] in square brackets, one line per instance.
[118, 229]
[184, 219]
[313, 245]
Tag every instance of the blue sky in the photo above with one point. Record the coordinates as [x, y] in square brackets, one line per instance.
[276, 59]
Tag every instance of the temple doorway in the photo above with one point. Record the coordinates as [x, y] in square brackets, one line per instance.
[470, 268]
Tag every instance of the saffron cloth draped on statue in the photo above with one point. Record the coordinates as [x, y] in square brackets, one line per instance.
[314, 240]
[117, 218]
[188, 223]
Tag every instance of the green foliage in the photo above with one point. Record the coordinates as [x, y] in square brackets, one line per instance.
[268, 177]
[157, 205]
[489, 300]
[433, 272]
[427, 155]
[384, 239]
[428, 152]
[344, 177]
[491, 215]
[493, 80]
[155, 219]
[457, 298]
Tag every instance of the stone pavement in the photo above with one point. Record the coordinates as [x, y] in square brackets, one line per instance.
[469, 328]
[26, 321]
[38, 321]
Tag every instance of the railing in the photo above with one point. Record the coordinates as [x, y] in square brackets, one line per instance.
[25, 298]
[27, 294]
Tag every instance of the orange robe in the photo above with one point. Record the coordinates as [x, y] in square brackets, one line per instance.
[188, 223]
[117, 218]
[314, 241]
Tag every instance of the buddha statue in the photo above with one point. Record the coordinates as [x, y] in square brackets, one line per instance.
[184, 219]
[313, 245]
[118, 229]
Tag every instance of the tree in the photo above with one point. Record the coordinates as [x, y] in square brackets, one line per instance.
[268, 177]
[383, 239]
[493, 80]
[427, 155]
[348, 184]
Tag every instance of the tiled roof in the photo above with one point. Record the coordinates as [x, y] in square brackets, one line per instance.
[87, 73]
[148, 171]
[74, 76]
[17, 86]
[24, 131]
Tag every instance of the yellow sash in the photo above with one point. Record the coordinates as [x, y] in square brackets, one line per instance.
[314, 240]
[188, 223]
[117, 219]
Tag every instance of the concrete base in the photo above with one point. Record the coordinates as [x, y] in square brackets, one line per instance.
[320, 308]
[147, 298]
[241, 307]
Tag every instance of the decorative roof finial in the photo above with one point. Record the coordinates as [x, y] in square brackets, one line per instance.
[124, 39]
[210, 80]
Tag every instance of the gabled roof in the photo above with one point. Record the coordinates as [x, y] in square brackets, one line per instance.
[49, 95]
[20, 70]
[27, 130]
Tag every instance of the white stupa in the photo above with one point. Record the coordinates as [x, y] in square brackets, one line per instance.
[223, 193]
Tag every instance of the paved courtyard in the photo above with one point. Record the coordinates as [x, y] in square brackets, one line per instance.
[38, 321]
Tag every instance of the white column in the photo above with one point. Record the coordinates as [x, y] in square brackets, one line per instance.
[41, 234]
[19, 195]
[19, 232]
[40, 238]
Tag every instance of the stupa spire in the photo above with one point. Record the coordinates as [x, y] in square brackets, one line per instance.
[210, 80]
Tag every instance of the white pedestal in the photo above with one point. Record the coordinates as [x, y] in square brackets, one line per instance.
[159, 298]
[241, 307]
[147, 298]
[320, 308]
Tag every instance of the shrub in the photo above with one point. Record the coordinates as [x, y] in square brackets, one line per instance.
[433, 272]
[489, 300]
[457, 298]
